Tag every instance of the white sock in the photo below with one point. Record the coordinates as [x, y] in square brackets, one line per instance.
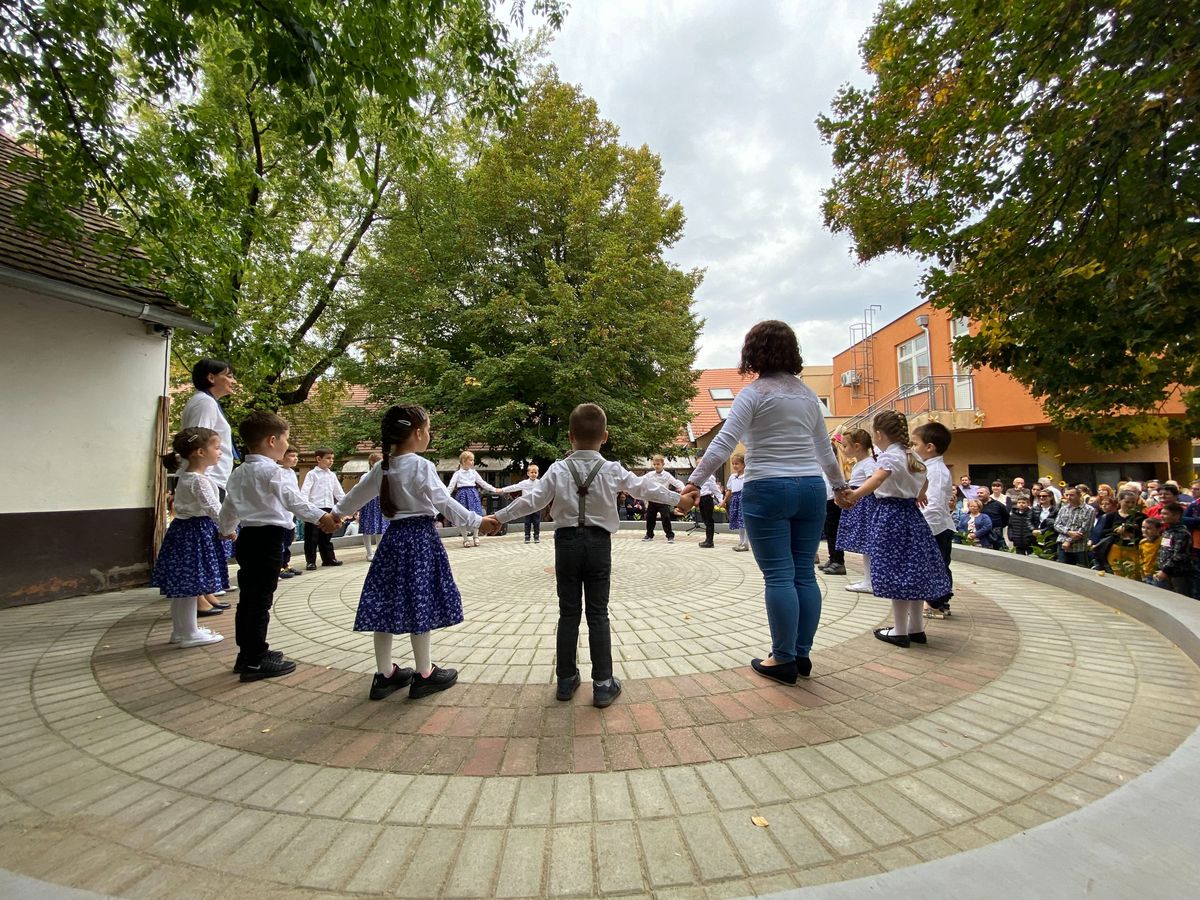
[179, 616]
[900, 616]
[742, 536]
[366, 539]
[383, 653]
[866, 582]
[916, 623]
[422, 654]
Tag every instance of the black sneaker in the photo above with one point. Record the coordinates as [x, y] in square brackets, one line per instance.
[438, 680]
[333, 562]
[567, 687]
[648, 537]
[286, 573]
[311, 567]
[835, 569]
[239, 664]
[707, 544]
[384, 685]
[268, 668]
[605, 692]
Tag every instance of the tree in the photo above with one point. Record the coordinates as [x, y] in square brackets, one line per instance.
[1042, 155]
[249, 148]
[524, 274]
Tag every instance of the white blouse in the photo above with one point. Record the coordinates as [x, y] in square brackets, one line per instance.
[735, 483]
[203, 411]
[863, 469]
[196, 497]
[415, 488]
[468, 478]
[902, 482]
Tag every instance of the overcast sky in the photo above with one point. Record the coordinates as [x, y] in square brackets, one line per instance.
[727, 93]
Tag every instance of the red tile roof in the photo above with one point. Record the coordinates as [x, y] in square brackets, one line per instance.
[704, 408]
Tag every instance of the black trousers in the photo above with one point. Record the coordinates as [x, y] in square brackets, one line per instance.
[259, 551]
[653, 511]
[945, 541]
[706, 514]
[287, 548]
[583, 570]
[833, 515]
[534, 521]
[315, 539]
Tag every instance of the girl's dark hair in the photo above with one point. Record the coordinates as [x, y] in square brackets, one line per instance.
[184, 444]
[862, 437]
[771, 346]
[399, 422]
[206, 367]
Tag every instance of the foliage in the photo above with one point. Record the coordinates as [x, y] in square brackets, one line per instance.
[249, 148]
[1042, 155]
[524, 274]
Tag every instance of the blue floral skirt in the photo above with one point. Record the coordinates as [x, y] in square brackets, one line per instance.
[905, 561]
[469, 497]
[736, 522]
[409, 588]
[856, 524]
[191, 560]
[370, 518]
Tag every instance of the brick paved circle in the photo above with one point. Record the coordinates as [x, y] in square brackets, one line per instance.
[140, 770]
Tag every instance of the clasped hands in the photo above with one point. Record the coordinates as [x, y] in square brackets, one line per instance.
[688, 498]
[843, 497]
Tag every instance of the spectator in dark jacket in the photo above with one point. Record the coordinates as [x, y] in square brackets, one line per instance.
[995, 508]
[977, 526]
[1101, 538]
[1020, 526]
[1174, 553]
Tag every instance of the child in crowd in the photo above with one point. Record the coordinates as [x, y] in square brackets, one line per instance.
[1020, 526]
[932, 442]
[465, 485]
[290, 460]
[709, 492]
[533, 521]
[583, 488]
[1174, 569]
[323, 489]
[660, 477]
[262, 496]
[370, 517]
[191, 561]
[1152, 530]
[836, 562]
[733, 500]
[906, 566]
[854, 528]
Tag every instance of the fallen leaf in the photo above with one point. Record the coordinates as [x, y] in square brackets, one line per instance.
[686, 617]
[759, 821]
[265, 730]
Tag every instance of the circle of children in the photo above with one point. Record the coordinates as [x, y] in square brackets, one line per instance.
[410, 589]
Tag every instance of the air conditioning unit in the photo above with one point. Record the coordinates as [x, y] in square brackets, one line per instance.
[850, 378]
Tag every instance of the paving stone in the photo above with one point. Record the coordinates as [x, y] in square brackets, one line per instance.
[522, 863]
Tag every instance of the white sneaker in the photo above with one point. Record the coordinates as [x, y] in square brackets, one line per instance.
[741, 548]
[466, 542]
[476, 540]
[220, 593]
[201, 637]
[176, 639]
[860, 587]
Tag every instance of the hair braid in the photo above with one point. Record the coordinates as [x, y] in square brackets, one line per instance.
[399, 422]
[894, 425]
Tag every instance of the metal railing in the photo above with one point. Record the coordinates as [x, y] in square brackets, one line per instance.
[933, 393]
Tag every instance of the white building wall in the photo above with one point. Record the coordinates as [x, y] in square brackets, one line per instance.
[78, 399]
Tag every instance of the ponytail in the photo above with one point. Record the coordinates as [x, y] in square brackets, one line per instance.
[399, 422]
[184, 444]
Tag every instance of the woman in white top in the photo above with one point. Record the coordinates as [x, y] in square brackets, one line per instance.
[780, 421]
[213, 379]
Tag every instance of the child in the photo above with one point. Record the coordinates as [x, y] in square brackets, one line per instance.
[659, 477]
[263, 498]
[290, 460]
[733, 500]
[322, 489]
[933, 440]
[709, 491]
[1174, 570]
[370, 517]
[409, 588]
[855, 524]
[583, 488]
[191, 562]
[906, 566]
[1020, 526]
[1152, 530]
[836, 563]
[533, 521]
[464, 488]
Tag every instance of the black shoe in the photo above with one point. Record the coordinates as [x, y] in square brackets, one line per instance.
[706, 544]
[782, 672]
[384, 685]
[239, 664]
[648, 537]
[438, 680]
[294, 571]
[333, 562]
[567, 687]
[268, 668]
[311, 567]
[217, 604]
[918, 637]
[803, 666]
[215, 611]
[900, 640]
[286, 573]
[605, 692]
[835, 569]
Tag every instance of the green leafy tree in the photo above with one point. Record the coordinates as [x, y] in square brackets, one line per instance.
[524, 274]
[249, 148]
[1042, 155]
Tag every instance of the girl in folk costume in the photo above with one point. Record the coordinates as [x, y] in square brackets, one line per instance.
[191, 561]
[464, 487]
[370, 517]
[857, 523]
[906, 565]
[409, 588]
[733, 500]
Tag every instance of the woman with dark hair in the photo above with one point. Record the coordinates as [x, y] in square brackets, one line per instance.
[213, 379]
[781, 422]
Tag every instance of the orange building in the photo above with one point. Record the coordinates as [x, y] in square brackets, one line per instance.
[1000, 430]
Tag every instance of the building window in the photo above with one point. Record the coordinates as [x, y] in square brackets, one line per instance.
[720, 393]
[912, 358]
[825, 406]
[723, 412]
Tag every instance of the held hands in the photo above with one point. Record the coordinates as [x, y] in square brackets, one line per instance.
[328, 523]
[844, 497]
[490, 525]
[687, 500]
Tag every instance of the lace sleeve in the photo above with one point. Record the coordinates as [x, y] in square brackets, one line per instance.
[208, 497]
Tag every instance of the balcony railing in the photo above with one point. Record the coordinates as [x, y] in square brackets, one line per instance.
[934, 393]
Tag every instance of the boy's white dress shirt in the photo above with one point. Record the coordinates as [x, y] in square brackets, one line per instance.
[939, 489]
[664, 480]
[260, 492]
[322, 487]
[710, 488]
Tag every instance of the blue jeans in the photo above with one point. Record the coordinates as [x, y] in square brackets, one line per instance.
[784, 521]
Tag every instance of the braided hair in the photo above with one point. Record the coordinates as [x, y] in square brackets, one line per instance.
[894, 426]
[184, 444]
[862, 437]
[399, 422]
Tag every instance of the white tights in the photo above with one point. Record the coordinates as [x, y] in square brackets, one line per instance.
[866, 570]
[422, 657]
[907, 614]
[183, 618]
[742, 537]
[370, 542]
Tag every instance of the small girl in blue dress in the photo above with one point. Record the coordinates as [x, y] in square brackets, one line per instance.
[191, 561]
[906, 565]
[370, 517]
[856, 524]
[733, 501]
[409, 588]
[464, 487]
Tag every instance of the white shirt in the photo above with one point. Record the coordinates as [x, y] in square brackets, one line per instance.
[779, 419]
[203, 411]
[415, 489]
[524, 485]
[322, 487]
[196, 497]
[261, 492]
[735, 484]
[558, 486]
[710, 488]
[468, 478]
[939, 491]
[901, 483]
[663, 480]
[863, 469]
